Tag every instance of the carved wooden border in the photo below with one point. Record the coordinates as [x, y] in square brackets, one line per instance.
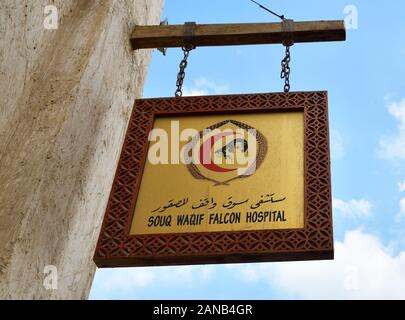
[116, 248]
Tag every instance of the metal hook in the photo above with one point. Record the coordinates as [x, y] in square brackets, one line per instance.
[288, 28]
[165, 22]
[189, 28]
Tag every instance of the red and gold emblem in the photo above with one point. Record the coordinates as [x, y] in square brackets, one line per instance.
[226, 151]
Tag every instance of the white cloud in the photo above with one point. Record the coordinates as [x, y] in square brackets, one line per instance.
[203, 87]
[353, 208]
[211, 86]
[337, 146]
[125, 283]
[122, 280]
[363, 269]
[401, 186]
[194, 92]
[393, 147]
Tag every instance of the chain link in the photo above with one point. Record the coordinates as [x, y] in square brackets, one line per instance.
[182, 72]
[285, 69]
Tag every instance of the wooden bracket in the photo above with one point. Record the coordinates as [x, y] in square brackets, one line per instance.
[189, 28]
[167, 36]
[288, 31]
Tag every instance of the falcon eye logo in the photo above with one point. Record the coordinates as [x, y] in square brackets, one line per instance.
[221, 153]
[226, 151]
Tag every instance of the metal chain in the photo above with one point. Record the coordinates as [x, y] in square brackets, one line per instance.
[280, 16]
[182, 72]
[285, 69]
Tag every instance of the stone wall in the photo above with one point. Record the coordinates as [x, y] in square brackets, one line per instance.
[65, 100]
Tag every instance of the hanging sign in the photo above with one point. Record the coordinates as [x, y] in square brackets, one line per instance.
[221, 179]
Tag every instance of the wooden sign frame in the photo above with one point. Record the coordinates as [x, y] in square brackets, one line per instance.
[117, 248]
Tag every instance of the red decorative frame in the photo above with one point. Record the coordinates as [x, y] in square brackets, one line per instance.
[116, 248]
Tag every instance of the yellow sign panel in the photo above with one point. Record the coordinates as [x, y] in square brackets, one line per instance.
[200, 182]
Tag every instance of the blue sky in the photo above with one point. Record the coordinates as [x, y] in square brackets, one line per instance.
[365, 80]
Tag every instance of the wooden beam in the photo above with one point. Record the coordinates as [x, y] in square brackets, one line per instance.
[148, 37]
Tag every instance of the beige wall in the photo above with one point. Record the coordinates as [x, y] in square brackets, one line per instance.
[65, 99]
